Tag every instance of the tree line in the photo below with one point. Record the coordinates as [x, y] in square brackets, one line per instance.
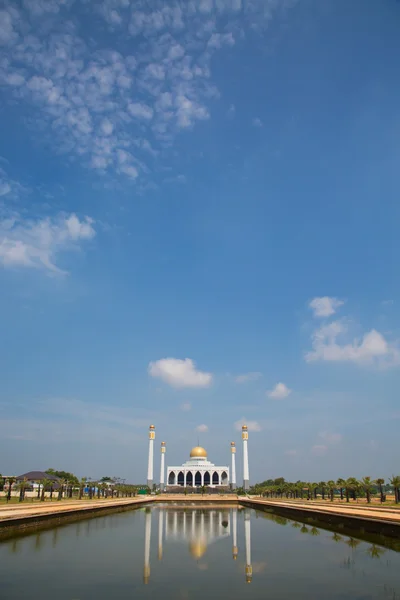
[70, 486]
[347, 489]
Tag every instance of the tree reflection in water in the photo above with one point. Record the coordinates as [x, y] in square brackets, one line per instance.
[375, 551]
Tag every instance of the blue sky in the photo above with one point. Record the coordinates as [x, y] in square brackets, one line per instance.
[199, 228]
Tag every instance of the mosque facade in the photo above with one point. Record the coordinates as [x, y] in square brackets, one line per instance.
[198, 471]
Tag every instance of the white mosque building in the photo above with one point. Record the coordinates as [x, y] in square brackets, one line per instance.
[198, 471]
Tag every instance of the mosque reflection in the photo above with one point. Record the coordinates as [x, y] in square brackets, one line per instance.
[199, 529]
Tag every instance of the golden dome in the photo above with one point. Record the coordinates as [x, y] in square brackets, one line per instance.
[198, 549]
[244, 427]
[232, 443]
[198, 452]
[152, 427]
[162, 443]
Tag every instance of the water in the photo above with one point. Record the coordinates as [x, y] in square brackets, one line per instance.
[182, 553]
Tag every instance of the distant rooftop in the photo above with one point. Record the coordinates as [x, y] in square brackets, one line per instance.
[37, 476]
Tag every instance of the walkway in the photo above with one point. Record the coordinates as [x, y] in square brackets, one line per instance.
[352, 511]
[16, 512]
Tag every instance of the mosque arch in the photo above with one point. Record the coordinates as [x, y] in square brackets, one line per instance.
[171, 478]
[197, 478]
[207, 478]
[215, 478]
[224, 478]
[189, 478]
[181, 478]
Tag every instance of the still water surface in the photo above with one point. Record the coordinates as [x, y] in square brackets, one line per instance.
[182, 553]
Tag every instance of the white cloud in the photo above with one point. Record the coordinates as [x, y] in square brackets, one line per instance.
[231, 111]
[89, 102]
[331, 438]
[279, 391]
[245, 377]
[291, 453]
[217, 40]
[129, 170]
[7, 33]
[180, 373]
[202, 428]
[140, 110]
[155, 71]
[251, 425]
[186, 406]
[205, 6]
[325, 306]
[107, 127]
[36, 243]
[257, 122]
[386, 303]
[189, 111]
[371, 349]
[5, 188]
[319, 450]
[9, 187]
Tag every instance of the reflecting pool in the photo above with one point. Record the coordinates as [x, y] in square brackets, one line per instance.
[182, 552]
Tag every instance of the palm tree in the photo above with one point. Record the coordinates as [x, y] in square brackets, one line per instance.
[331, 487]
[322, 486]
[104, 488]
[341, 485]
[22, 485]
[63, 483]
[395, 481]
[82, 484]
[46, 484]
[10, 484]
[336, 537]
[380, 482]
[351, 486]
[367, 484]
[312, 491]
[299, 489]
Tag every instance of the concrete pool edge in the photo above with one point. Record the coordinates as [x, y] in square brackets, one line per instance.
[33, 517]
[384, 526]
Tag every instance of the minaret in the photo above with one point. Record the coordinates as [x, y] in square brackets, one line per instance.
[245, 437]
[162, 483]
[247, 533]
[234, 527]
[233, 476]
[147, 536]
[152, 435]
[160, 533]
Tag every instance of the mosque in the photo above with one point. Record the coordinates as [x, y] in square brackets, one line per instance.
[198, 471]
